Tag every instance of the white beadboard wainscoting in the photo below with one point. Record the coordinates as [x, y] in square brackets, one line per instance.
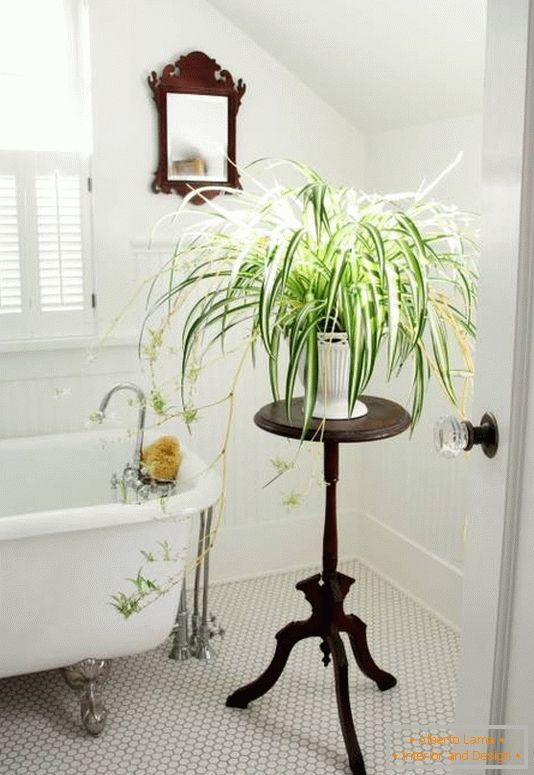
[289, 542]
[55, 390]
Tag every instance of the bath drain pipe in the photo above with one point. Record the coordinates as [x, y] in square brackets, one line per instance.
[204, 627]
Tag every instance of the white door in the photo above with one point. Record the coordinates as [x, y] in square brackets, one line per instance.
[502, 365]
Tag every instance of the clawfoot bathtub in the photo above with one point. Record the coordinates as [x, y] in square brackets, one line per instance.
[65, 549]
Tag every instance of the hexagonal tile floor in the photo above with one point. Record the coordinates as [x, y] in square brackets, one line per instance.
[169, 718]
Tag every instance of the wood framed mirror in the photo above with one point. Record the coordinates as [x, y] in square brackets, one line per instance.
[197, 103]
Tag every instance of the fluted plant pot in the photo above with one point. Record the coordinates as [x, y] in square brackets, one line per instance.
[332, 402]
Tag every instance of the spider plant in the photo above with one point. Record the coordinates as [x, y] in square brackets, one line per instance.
[395, 273]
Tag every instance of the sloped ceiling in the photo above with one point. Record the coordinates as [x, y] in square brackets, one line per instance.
[381, 63]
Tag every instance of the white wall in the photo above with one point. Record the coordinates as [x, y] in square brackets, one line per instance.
[414, 503]
[279, 117]
[400, 159]
[50, 390]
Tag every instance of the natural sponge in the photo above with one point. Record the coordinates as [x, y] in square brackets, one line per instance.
[162, 458]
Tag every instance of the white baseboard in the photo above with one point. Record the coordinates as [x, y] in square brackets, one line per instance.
[433, 582]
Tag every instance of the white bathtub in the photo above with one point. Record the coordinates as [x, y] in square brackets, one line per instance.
[65, 549]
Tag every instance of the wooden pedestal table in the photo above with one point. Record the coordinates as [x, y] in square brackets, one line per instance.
[327, 590]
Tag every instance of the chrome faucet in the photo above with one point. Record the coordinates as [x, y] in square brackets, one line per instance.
[135, 485]
[136, 463]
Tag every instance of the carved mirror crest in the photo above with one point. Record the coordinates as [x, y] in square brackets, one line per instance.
[197, 103]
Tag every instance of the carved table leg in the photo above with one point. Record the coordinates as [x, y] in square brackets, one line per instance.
[85, 678]
[326, 593]
[286, 638]
[325, 648]
[341, 672]
[356, 630]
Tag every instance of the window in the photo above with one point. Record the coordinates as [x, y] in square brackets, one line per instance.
[45, 261]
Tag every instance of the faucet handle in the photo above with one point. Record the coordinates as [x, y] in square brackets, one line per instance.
[130, 476]
[144, 492]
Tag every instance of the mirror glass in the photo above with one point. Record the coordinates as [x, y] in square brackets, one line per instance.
[197, 137]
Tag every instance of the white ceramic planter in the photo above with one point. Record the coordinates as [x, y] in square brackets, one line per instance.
[333, 388]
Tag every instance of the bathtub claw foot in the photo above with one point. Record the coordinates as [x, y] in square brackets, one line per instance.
[86, 678]
[93, 714]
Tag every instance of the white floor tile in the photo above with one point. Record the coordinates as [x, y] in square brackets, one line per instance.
[169, 718]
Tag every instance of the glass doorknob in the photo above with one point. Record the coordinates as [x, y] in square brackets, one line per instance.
[453, 436]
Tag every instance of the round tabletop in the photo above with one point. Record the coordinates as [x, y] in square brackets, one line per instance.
[384, 418]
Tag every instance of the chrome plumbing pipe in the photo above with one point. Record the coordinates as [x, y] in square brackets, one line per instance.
[195, 619]
[202, 624]
[204, 648]
[181, 648]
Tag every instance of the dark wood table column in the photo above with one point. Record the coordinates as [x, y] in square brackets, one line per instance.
[326, 591]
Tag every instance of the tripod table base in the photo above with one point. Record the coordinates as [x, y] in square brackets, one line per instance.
[325, 593]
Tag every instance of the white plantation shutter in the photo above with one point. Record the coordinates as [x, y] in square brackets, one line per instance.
[59, 234]
[46, 279]
[45, 261]
[61, 300]
[14, 299]
[10, 276]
